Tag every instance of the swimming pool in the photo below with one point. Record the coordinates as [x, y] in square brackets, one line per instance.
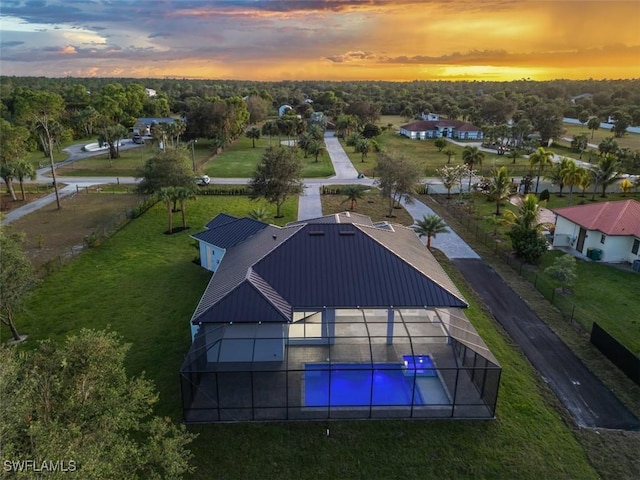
[360, 384]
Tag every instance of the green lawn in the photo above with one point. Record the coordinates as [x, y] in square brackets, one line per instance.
[130, 161]
[144, 285]
[607, 301]
[602, 294]
[629, 140]
[240, 160]
[431, 158]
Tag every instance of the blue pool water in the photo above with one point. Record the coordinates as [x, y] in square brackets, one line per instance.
[420, 365]
[350, 384]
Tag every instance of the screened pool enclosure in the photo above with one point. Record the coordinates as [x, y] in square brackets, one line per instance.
[341, 364]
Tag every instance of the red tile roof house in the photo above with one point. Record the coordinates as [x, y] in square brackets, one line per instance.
[612, 227]
[434, 127]
[334, 317]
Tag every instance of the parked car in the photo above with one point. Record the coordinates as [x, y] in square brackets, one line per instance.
[203, 180]
[138, 139]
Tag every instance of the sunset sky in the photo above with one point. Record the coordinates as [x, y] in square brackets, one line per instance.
[322, 39]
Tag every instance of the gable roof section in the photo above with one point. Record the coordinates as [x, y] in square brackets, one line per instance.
[227, 233]
[235, 265]
[220, 219]
[611, 218]
[245, 303]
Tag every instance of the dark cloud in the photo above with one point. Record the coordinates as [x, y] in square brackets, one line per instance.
[10, 44]
[160, 35]
[350, 56]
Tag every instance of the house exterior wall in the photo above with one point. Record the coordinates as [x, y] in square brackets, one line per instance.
[451, 133]
[615, 249]
[245, 342]
[210, 256]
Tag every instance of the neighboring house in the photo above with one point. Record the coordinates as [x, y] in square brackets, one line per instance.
[293, 314]
[150, 92]
[431, 126]
[283, 109]
[611, 227]
[143, 124]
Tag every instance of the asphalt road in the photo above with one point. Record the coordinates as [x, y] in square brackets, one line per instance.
[590, 403]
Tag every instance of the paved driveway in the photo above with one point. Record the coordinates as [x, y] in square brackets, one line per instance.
[589, 401]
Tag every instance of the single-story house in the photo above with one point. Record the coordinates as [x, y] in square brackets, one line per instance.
[432, 126]
[282, 109]
[333, 317]
[143, 124]
[610, 228]
[150, 92]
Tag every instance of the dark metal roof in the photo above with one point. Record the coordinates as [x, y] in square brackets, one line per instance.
[244, 304]
[236, 262]
[316, 265]
[220, 219]
[401, 240]
[338, 265]
[230, 233]
[342, 217]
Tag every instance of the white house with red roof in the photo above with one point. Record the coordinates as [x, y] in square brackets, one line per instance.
[611, 227]
[432, 126]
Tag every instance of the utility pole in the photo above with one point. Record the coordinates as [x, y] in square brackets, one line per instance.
[193, 155]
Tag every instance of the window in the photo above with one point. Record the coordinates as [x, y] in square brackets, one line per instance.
[636, 246]
[602, 238]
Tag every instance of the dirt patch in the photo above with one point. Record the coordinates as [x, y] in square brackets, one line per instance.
[7, 204]
[53, 236]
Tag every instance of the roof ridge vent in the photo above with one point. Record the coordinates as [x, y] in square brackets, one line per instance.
[316, 233]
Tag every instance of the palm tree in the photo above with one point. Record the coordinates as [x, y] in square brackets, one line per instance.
[525, 229]
[253, 134]
[526, 218]
[353, 193]
[167, 195]
[449, 152]
[593, 124]
[23, 170]
[429, 227]
[270, 129]
[585, 180]
[500, 186]
[513, 154]
[182, 194]
[542, 158]
[316, 148]
[555, 175]
[606, 172]
[571, 175]
[363, 146]
[471, 156]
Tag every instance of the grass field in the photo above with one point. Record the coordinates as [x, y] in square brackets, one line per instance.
[240, 160]
[629, 140]
[144, 285]
[427, 154]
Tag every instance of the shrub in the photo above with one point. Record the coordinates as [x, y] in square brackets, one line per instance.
[528, 245]
[545, 195]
